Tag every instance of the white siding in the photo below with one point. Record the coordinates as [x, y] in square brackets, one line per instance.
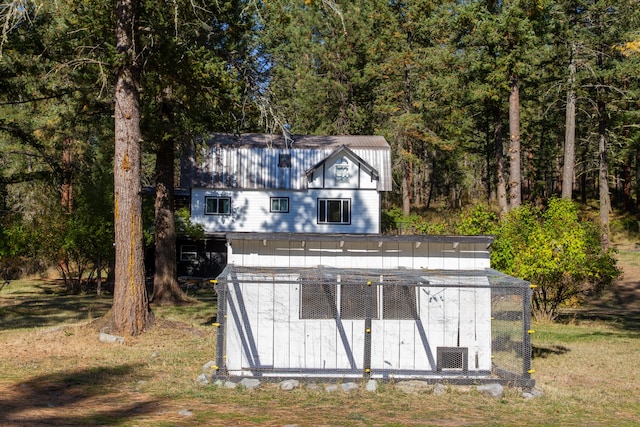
[250, 211]
[258, 167]
[264, 331]
[359, 254]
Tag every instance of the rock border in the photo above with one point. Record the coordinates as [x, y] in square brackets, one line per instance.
[491, 389]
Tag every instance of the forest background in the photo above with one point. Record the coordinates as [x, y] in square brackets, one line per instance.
[487, 106]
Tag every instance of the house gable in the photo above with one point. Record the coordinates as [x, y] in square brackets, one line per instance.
[342, 169]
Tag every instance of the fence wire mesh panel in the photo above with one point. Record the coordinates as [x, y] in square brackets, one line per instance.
[455, 326]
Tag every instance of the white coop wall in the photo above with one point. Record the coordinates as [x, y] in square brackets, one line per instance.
[304, 250]
[265, 332]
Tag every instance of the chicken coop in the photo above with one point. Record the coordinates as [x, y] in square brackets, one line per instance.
[384, 307]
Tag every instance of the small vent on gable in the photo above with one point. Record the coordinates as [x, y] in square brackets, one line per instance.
[452, 358]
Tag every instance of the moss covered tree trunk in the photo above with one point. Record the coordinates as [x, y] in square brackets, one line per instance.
[131, 314]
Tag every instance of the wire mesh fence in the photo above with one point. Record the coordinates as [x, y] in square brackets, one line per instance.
[455, 326]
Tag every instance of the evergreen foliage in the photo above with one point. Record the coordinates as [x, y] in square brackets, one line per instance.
[433, 76]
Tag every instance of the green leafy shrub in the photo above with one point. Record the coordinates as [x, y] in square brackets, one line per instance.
[478, 220]
[185, 227]
[556, 251]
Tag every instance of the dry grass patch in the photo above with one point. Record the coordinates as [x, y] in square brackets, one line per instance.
[55, 371]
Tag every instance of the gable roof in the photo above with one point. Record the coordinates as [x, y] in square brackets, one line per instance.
[342, 151]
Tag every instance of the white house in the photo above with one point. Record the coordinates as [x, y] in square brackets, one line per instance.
[295, 184]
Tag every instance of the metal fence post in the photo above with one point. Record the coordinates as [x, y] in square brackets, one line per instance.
[367, 330]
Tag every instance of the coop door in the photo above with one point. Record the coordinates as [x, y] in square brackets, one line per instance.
[452, 359]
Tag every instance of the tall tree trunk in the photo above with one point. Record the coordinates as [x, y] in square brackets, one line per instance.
[603, 176]
[67, 176]
[407, 174]
[501, 186]
[570, 131]
[515, 172]
[637, 180]
[406, 192]
[131, 314]
[627, 187]
[583, 178]
[165, 281]
[99, 276]
[489, 154]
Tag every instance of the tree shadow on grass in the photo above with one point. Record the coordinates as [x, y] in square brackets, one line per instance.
[52, 309]
[544, 352]
[83, 397]
[626, 321]
[619, 305]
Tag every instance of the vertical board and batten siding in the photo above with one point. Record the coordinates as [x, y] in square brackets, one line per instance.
[264, 331]
[257, 168]
[454, 311]
[250, 211]
[357, 175]
[252, 168]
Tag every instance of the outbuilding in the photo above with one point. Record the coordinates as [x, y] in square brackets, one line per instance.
[354, 305]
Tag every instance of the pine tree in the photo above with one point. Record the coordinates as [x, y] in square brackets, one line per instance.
[194, 78]
[130, 311]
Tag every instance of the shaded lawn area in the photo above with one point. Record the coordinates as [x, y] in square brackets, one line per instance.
[46, 304]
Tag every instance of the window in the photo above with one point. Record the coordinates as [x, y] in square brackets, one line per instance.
[342, 170]
[452, 358]
[217, 205]
[318, 301]
[284, 161]
[353, 301]
[357, 301]
[188, 252]
[334, 211]
[399, 302]
[279, 204]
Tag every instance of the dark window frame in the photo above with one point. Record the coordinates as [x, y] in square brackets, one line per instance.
[334, 211]
[348, 300]
[400, 302]
[353, 300]
[279, 210]
[452, 359]
[284, 160]
[218, 210]
[318, 301]
[188, 252]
